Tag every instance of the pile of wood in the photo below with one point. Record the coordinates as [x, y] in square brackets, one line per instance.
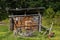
[26, 22]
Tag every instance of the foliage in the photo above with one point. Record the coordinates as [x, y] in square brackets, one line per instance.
[49, 13]
[53, 4]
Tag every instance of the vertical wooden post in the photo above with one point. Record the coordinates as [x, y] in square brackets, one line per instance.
[11, 23]
[40, 21]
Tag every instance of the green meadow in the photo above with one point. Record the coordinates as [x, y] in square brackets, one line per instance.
[6, 34]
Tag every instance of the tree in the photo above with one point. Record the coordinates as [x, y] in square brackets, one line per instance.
[54, 4]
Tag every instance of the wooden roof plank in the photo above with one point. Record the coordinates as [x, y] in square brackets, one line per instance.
[26, 9]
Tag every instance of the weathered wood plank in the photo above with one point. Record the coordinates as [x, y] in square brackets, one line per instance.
[40, 21]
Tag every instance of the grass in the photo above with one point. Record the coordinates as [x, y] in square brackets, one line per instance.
[5, 34]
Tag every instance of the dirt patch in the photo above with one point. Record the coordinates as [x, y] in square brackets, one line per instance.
[2, 23]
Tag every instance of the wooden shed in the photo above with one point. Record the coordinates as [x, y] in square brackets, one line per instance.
[24, 19]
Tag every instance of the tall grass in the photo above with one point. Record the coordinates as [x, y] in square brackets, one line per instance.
[5, 34]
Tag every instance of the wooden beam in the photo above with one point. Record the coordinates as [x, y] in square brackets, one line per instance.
[11, 24]
[40, 21]
[22, 15]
